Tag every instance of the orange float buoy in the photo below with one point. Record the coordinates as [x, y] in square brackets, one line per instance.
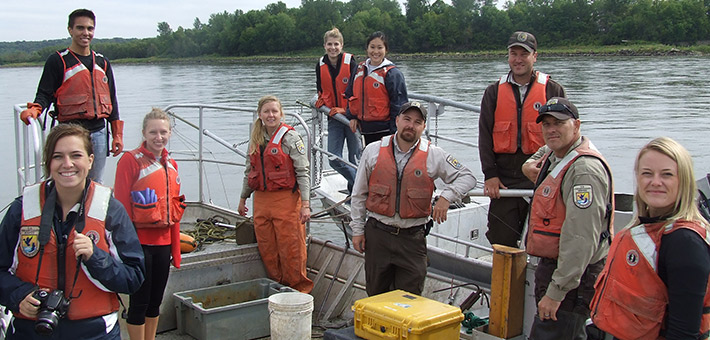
[187, 243]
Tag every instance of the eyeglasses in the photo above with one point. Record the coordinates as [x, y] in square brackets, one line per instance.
[557, 107]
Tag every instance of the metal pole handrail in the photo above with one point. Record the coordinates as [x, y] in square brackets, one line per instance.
[330, 154]
[454, 140]
[212, 161]
[465, 243]
[203, 132]
[505, 192]
[447, 102]
[309, 145]
[30, 145]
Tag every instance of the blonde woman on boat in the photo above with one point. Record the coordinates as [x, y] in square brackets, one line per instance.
[277, 172]
[148, 185]
[67, 214]
[655, 283]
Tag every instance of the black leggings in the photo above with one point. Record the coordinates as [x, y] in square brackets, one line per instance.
[146, 301]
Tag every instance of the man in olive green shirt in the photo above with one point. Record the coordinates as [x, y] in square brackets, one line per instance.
[569, 223]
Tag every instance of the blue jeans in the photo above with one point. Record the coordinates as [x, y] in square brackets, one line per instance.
[338, 133]
[100, 144]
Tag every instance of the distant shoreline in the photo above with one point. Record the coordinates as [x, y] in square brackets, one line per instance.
[640, 50]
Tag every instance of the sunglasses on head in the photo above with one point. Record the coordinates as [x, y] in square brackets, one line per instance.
[557, 107]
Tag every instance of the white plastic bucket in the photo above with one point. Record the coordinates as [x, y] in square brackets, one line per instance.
[290, 316]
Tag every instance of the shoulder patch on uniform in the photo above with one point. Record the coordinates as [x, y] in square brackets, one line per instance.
[301, 147]
[454, 162]
[583, 195]
[29, 240]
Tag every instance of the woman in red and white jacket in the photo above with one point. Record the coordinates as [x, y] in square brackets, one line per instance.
[148, 185]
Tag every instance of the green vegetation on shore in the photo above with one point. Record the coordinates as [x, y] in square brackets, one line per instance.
[637, 49]
[426, 29]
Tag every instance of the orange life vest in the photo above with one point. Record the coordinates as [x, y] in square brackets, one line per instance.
[272, 169]
[408, 195]
[334, 89]
[164, 180]
[513, 129]
[631, 300]
[370, 101]
[83, 94]
[547, 210]
[95, 299]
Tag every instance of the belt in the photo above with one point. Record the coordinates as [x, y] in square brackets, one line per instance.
[396, 230]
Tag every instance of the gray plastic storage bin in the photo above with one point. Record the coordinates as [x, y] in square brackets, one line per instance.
[232, 311]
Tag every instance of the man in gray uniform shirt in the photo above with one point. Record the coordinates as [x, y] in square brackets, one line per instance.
[569, 225]
[391, 202]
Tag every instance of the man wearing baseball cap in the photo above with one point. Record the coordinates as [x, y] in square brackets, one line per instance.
[570, 225]
[391, 202]
[508, 135]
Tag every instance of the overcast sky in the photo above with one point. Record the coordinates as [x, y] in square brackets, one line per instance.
[33, 20]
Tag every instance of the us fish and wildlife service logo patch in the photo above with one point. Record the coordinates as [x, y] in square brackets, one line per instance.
[454, 162]
[632, 257]
[93, 235]
[29, 240]
[301, 147]
[583, 195]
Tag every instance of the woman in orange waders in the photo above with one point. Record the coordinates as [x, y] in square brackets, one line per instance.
[277, 172]
[148, 185]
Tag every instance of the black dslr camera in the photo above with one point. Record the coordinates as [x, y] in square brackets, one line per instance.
[53, 306]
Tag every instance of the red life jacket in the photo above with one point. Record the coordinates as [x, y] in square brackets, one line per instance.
[164, 180]
[334, 89]
[95, 299]
[272, 169]
[631, 300]
[508, 134]
[370, 101]
[409, 195]
[83, 94]
[547, 210]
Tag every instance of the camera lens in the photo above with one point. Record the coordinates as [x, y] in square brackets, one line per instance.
[42, 327]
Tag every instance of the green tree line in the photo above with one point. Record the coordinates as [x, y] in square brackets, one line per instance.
[423, 26]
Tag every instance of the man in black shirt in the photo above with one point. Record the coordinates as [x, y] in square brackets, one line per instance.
[80, 84]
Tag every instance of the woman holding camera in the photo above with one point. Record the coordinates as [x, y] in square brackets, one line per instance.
[148, 185]
[70, 239]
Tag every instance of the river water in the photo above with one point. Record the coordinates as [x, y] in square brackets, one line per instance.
[623, 102]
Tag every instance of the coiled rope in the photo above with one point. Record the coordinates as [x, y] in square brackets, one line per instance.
[214, 229]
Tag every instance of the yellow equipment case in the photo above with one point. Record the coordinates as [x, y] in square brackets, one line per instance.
[399, 315]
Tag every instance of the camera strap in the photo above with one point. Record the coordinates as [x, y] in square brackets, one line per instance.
[46, 224]
[79, 227]
[45, 230]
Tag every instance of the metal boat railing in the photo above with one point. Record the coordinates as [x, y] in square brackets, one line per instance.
[29, 140]
[200, 159]
[436, 106]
